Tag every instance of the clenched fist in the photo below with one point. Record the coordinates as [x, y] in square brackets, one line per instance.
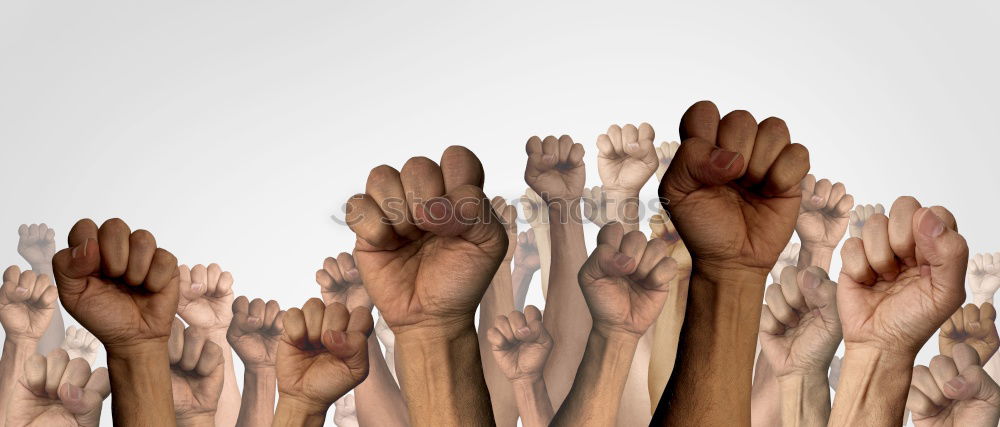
[206, 297]
[58, 391]
[974, 326]
[666, 152]
[626, 158]
[823, 215]
[860, 214]
[340, 281]
[954, 391]
[789, 257]
[595, 206]
[80, 343]
[255, 331]
[520, 344]
[27, 302]
[555, 168]
[984, 277]
[37, 245]
[196, 375]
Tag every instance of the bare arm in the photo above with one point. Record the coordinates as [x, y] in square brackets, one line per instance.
[378, 400]
[256, 406]
[873, 388]
[600, 380]
[15, 353]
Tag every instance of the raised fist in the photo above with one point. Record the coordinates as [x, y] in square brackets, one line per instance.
[340, 281]
[595, 205]
[323, 353]
[984, 277]
[665, 152]
[37, 245]
[79, 343]
[626, 158]
[508, 217]
[733, 189]
[58, 391]
[196, 374]
[555, 168]
[974, 326]
[117, 283]
[346, 414]
[860, 214]
[799, 325]
[430, 263]
[520, 344]
[27, 302]
[625, 279]
[954, 391]
[255, 331]
[789, 257]
[206, 297]
[903, 280]
[526, 251]
[823, 214]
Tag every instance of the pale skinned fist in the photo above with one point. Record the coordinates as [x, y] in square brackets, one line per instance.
[58, 391]
[555, 168]
[80, 343]
[626, 158]
[595, 206]
[346, 414]
[860, 214]
[954, 392]
[789, 257]
[824, 213]
[520, 344]
[117, 283]
[984, 276]
[428, 240]
[255, 331]
[27, 302]
[36, 244]
[526, 252]
[733, 189]
[665, 152]
[196, 373]
[206, 297]
[323, 353]
[972, 325]
[340, 281]
[624, 281]
[903, 280]
[799, 326]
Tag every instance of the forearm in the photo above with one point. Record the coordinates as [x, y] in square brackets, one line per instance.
[568, 319]
[54, 333]
[873, 387]
[623, 206]
[202, 420]
[712, 375]
[140, 384]
[533, 402]
[765, 396]
[257, 404]
[543, 241]
[813, 255]
[666, 333]
[442, 375]
[230, 400]
[378, 399]
[600, 380]
[292, 412]
[521, 281]
[15, 353]
[805, 400]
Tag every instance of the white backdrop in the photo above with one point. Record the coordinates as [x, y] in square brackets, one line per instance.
[232, 130]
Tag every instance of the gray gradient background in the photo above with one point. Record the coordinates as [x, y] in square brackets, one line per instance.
[232, 130]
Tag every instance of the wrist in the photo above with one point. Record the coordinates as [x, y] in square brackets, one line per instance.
[294, 410]
[815, 254]
[730, 275]
[981, 297]
[206, 419]
[615, 335]
[259, 369]
[137, 349]
[885, 354]
[21, 343]
[435, 329]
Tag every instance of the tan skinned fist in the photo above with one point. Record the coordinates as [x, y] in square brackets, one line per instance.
[555, 168]
[206, 299]
[255, 331]
[626, 158]
[27, 302]
[972, 325]
[824, 212]
[340, 281]
[789, 257]
[860, 214]
[520, 344]
[595, 206]
[196, 374]
[954, 391]
[58, 391]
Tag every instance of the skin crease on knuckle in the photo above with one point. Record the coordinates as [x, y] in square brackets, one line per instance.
[429, 244]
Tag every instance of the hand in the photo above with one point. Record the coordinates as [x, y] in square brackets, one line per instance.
[861, 214]
[625, 279]
[433, 266]
[255, 331]
[57, 391]
[789, 257]
[799, 325]
[526, 252]
[520, 344]
[626, 158]
[954, 392]
[346, 414]
[666, 152]
[323, 353]
[595, 205]
[973, 326]
[662, 228]
[508, 217]
[903, 280]
[835, 371]
[984, 276]
[206, 297]
[79, 343]
[196, 374]
[340, 281]
[555, 168]
[823, 215]
[536, 212]
[733, 189]
[37, 245]
[27, 302]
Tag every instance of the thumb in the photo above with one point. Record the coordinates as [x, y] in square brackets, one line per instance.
[465, 212]
[699, 163]
[350, 347]
[945, 255]
[973, 383]
[72, 266]
[85, 405]
[604, 262]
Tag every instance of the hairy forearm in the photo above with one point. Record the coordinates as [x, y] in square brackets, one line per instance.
[622, 206]
[533, 402]
[140, 384]
[230, 400]
[442, 375]
[378, 399]
[15, 353]
[813, 255]
[873, 387]
[600, 380]
[521, 280]
[805, 400]
[712, 375]
[257, 404]
[567, 319]
[498, 300]
[292, 412]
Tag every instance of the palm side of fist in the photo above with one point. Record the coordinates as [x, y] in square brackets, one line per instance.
[428, 241]
[323, 353]
[196, 373]
[340, 281]
[526, 252]
[666, 152]
[626, 157]
[984, 276]
[36, 244]
[624, 281]
[974, 326]
[824, 212]
[520, 344]
[789, 257]
[27, 302]
[117, 283]
[595, 205]
[860, 214]
[56, 390]
[555, 168]
[733, 188]
[954, 391]
[80, 343]
[799, 326]
[206, 297]
[255, 331]
[903, 279]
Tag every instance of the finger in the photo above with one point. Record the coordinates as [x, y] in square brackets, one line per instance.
[77, 373]
[336, 317]
[361, 321]
[255, 314]
[660, 276]
[633, 245]
[946, 254]
[924, 382]
[459, 167]
[373, 228]
[213, 272]
[699, 163]
[737, 131]
[901, 228]
[779, 307]
[295, 327]
[35, 368]
[141, 247]
[209, 359]
[876, 238]
[313, 311]
[769, 324]
[611, 234]
[837, 192]
[464, 212]
[822, 194]
[790, 289]
[855, 262]
[787, 171]
[656, 250]
[175, 343]
[385, 188]
[920, 404]
[502, 324]
[271, 310]
[347, 267]
[519, 325]
[942, 369]
[496, 339]
[193, 345]
[162, 276]
[225, 284]
[701, 120]
[772, 137]
[422, 182]
[99, 382]
[56, 362]
[114, 237]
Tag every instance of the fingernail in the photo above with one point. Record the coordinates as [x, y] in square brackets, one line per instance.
[72, 391]
[549, 158]
[816, 200]
[810, 280]
[622, 260]
[524, 331]
[723, 159]
[79, 250]
[931, 225]
[197, 287]
[337, 337]
[353, 273]
[633, 146]
[956, 384]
